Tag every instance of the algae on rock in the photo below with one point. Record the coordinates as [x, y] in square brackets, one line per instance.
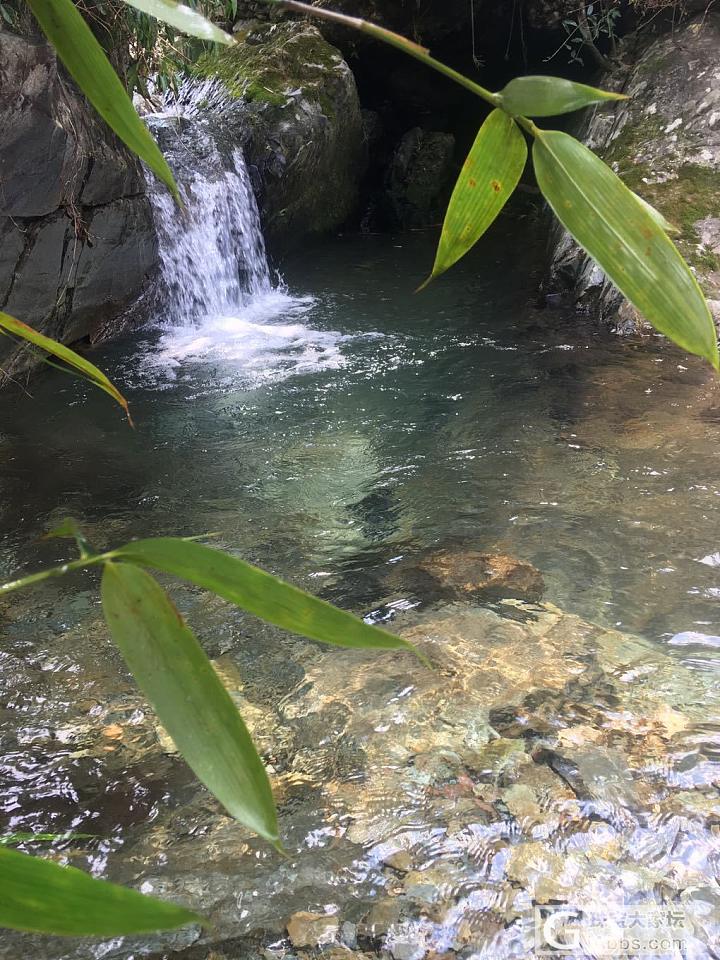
[298, 117]
[665, 144]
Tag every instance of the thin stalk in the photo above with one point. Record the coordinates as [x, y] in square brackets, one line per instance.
[394, 39]
[87, 559]
[60, 571]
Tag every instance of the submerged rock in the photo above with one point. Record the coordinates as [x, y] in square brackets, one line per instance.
[542, 758]
[665, 144]
[77, 241]
[312, 929]
[462, 573]
[297, 115]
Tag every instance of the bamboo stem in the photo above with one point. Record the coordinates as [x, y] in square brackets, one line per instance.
[394, 39]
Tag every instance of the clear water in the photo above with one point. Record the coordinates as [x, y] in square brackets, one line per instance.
[326, 434]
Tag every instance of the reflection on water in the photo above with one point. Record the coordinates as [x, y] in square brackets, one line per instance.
[336, 443]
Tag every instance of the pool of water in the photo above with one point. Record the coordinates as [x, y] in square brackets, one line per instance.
[341, 427]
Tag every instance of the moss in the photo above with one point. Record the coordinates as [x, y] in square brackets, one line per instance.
[273, 61]
[635, 135]
[692, 195]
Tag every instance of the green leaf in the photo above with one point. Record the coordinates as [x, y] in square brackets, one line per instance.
[549, 96]
[488, 178]
[12, 327]
[84, 58]
[43, 897]
[658, 217]
[183, 18]
[68, 529]
[258, 592]
[626, 240]
[174, 673]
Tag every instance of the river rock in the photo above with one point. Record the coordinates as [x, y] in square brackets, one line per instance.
[491, 773]
[312, 929]
[463, 573]
[296, 113]
[76, 233]
[665, 143]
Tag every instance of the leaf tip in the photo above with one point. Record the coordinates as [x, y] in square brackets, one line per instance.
[277, 845]
[422, 657]
[426, 283]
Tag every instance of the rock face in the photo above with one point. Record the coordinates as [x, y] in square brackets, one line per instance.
[76, 233]
[297, 114]
[665, 143]
[420, 178]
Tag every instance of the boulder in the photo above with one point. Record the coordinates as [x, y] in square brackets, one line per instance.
[665, 143]
[76, 235]
[297, 115]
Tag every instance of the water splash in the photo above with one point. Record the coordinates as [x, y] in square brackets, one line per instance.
[212, 252]
[218, 299]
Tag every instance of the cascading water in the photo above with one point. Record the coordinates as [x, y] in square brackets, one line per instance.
[212, 254]
[218, 298]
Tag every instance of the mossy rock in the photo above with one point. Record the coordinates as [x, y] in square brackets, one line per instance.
[665, 144]
[301, 125]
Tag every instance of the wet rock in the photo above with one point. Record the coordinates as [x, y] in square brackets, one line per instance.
[665, 143]
[76, 232]
[297, 115]
[312, 929]
[419, 178]
[462, 573]
[400, 860]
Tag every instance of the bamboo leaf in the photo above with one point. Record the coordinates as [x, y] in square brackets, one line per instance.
[10, 326]
[487, 180]
[43, 897]
[174, 673]
[183, 18]
[659, 218]
[549, 96]
[84, 58]
[258, 592]
[626, 240]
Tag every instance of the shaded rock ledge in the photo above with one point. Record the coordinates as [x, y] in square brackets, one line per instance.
[665, 143]
[77, 242]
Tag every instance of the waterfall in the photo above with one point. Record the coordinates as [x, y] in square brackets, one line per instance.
[212, 252]
[217, 298]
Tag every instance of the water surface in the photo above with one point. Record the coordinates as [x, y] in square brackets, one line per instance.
[335, 428]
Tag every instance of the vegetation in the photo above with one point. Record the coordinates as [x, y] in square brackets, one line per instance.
[627, 237]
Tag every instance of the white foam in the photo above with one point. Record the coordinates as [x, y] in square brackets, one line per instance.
[266, 341]
[220, 304]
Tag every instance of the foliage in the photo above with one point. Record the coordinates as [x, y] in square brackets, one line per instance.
[72, 361]
[488, 179]
[42, 896]
[592, 23]
[623, 234]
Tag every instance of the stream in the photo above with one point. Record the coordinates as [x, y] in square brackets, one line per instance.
[339, 430]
